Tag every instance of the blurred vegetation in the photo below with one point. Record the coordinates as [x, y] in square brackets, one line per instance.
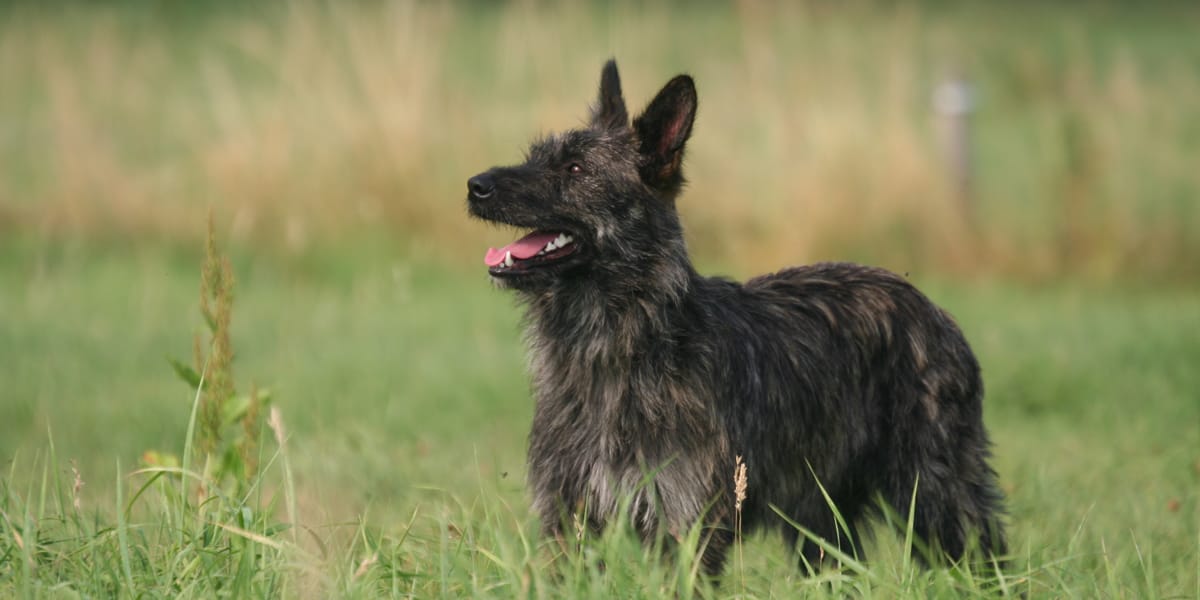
[308, 124]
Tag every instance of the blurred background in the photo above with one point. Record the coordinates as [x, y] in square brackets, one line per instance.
[307, 124]
[1032, 166]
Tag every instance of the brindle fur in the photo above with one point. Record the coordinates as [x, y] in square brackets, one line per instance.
[836, 373]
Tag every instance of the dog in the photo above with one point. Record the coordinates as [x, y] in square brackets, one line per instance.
[650, 379]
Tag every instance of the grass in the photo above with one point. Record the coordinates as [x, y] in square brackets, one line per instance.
[402, 389]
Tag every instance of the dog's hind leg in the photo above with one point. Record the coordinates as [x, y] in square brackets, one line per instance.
[953, 513]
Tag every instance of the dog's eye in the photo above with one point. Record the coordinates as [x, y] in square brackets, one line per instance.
[574, 169]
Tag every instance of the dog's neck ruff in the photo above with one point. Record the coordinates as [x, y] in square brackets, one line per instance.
[611, 312]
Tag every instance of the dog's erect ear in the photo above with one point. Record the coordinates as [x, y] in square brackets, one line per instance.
[609, 112]
[662, 131]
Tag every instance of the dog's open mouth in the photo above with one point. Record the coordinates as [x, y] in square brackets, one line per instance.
[540, 248]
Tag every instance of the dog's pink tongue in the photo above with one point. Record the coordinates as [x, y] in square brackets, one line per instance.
[523, 248]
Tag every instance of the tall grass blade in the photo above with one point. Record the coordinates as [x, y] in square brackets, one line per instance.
[843, 526]
[1147, 564]
[837, 553]
[123, 536]
[908, 528]
[186, 460]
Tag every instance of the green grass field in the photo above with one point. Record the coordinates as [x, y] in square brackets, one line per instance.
[402, 387]
[332, 141]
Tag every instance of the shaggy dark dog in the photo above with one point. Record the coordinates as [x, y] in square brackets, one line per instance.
[644, 370]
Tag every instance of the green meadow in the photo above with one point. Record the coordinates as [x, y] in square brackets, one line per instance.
[384, 455]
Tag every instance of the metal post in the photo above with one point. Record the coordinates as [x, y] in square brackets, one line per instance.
[954, 101]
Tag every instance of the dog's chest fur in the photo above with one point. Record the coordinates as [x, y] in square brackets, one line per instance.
[617, 417]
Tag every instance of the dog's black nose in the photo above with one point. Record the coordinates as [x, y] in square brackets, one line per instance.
[481, 185]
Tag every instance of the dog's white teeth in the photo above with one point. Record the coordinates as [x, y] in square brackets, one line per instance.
[508, 261]
[550, 247]
[563, 240]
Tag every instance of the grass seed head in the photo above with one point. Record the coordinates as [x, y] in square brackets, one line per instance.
[739, 483]
[77, 486]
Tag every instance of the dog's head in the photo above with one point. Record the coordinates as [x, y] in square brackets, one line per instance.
[598, 199]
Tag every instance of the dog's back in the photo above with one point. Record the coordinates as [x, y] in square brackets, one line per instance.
[854, 369]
